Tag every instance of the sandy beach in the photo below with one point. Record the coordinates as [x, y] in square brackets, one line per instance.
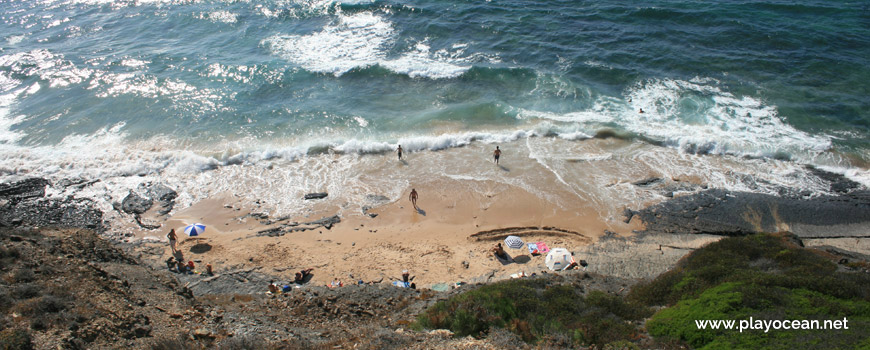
[436, 243]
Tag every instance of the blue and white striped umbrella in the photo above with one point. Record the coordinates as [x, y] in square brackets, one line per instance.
[513, 242]
[194, 229]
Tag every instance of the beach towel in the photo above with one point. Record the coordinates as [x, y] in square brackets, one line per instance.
[440, 287]
[542, 248]
[533, 249]
[401, 284]
[519, 274]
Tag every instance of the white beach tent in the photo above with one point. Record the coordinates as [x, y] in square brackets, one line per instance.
[559, 259]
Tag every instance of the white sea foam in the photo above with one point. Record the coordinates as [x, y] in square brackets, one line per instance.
[362, 40]
[421, 63]
[58, 71]
[7, 135]
[7, 83]
[15, 39]
[352, 41]
[222, 17]
[134, 63]
[699, 114]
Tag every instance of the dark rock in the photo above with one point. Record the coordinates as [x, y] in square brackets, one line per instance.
[147, 223]
[135, 204]
[706, 148]
[628, 213]
[376, 199]
[317, 195]
[164, 196]
[648, 181]
[373, 215]
[68, 212]
[839, 183]
[326, 222]
[24, 189]
[739, 213]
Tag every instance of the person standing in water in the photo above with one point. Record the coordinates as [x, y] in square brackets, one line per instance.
[400, 152]
[413, 197]
[496, 154]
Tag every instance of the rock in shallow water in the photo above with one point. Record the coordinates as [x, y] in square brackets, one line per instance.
[317, 195]
[135, 204]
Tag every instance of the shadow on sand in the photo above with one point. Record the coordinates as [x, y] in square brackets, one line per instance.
[522, 259]
[200, 248]
[421, 212]
[503, 168]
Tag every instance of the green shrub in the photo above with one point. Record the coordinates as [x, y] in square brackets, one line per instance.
[760, 277]
[760, 259]
[534, 310]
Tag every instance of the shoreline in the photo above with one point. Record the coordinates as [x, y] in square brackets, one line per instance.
[441, 243]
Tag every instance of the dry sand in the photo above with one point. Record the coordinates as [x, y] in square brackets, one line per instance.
[432, 242]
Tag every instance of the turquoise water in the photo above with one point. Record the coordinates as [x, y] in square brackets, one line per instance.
[241, 82]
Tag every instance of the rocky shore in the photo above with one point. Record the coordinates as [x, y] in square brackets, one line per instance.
[72, 288]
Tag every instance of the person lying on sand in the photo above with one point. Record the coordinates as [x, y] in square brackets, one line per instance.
[301, 275]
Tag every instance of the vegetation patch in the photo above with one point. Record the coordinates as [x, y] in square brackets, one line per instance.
[534, 310]
[759, 277]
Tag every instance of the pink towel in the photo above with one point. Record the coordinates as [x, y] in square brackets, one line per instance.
[542, 247]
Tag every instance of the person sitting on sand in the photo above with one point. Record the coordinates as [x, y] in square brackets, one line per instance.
[208, 270]
[180, 266]
[336, 283]
[499, 252]
[406, 276]
[170, 263]
[190, 266]
[273, 288]
[301, 275]
[413, 197]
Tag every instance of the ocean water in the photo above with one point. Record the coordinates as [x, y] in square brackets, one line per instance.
[269, 100]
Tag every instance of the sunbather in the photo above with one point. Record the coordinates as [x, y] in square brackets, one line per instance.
[301, 275]
[499, 252]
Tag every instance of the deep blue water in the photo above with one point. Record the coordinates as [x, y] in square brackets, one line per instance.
[771, 78]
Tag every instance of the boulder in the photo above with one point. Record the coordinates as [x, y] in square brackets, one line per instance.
[135, 204]
[317, 195]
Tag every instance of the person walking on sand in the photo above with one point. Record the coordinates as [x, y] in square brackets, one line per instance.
[399, 151]
[413, 197]
[496, 154]
[173, 238]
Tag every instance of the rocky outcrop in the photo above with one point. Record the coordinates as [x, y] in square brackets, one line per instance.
[23, 190]
[738, 213]
[24, 204]
[136, 204]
